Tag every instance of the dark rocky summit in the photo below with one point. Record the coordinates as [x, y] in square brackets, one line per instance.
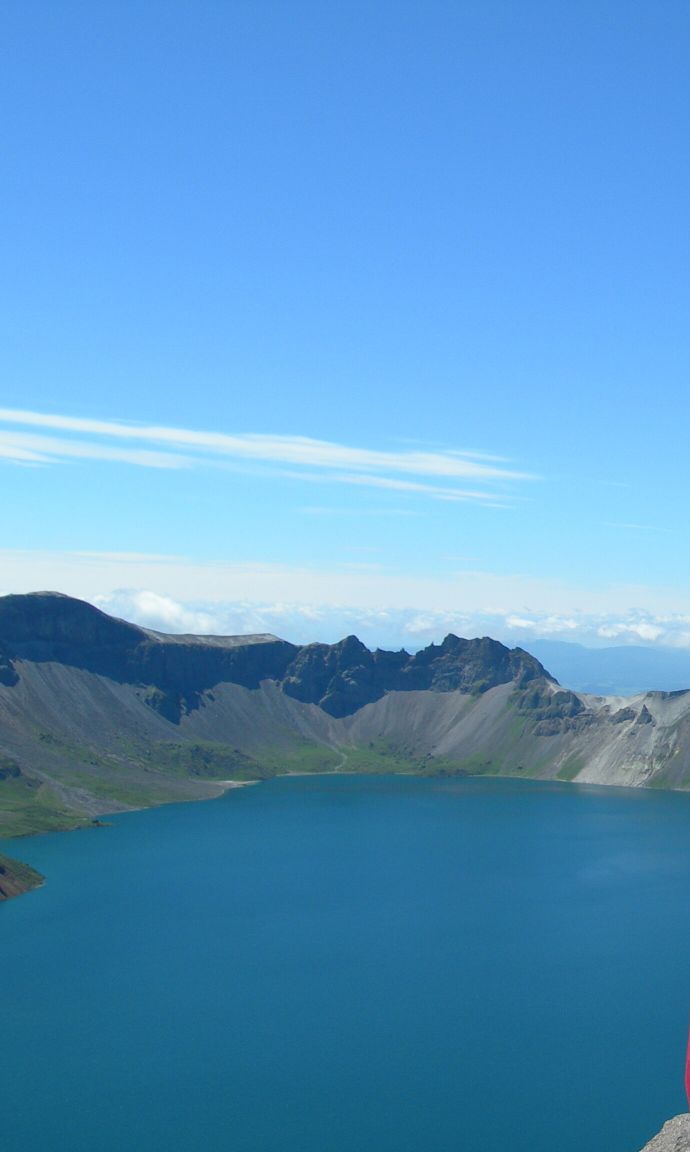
[343, 677]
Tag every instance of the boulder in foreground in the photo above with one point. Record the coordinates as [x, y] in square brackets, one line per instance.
[674, 1136]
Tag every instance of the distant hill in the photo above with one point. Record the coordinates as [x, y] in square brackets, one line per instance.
[619, 671]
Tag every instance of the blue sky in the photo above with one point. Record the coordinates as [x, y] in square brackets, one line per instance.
[366, 317]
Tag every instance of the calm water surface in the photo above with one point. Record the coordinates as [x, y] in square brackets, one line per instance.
[353, 964]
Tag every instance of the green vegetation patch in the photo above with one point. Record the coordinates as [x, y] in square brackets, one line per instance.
[478, 764]
[378, 757]
[204, 759]
[570, 768]
[74, 751]
[669, 775]
[28, 806]
[303, 758]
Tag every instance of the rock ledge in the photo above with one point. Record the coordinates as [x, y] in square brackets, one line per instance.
[674, 1136]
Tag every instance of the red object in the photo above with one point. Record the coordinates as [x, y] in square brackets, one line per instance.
[687, 1073]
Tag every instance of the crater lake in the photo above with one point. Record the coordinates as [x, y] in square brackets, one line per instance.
[353, 964]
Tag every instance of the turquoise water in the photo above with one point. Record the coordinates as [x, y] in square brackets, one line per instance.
[353, 964]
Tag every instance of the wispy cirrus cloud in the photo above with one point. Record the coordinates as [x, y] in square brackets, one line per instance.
[393, 484]
[26, 447]
[634, 527]
[449, 475]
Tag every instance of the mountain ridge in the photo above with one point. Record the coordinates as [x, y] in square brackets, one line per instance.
[47, 627]
[620, 670]
[100, 715]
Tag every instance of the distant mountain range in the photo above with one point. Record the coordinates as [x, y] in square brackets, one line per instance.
[99, 715]
[624, 670]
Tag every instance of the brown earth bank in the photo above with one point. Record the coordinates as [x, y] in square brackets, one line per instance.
[16, 878]
[98, 715]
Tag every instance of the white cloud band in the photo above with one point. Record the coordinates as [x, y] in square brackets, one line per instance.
[167, 447]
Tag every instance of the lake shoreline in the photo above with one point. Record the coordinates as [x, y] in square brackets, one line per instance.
[18, 867]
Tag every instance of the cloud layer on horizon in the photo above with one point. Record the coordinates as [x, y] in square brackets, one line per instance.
[384, 606]
[393, 628]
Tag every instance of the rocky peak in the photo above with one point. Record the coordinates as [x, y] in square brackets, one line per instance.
[343, 677]
[473, 665]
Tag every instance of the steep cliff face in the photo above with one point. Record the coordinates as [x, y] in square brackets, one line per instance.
[46, 627]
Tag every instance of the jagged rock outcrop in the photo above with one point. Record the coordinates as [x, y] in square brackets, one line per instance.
[674, 1136]
[343, 677]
